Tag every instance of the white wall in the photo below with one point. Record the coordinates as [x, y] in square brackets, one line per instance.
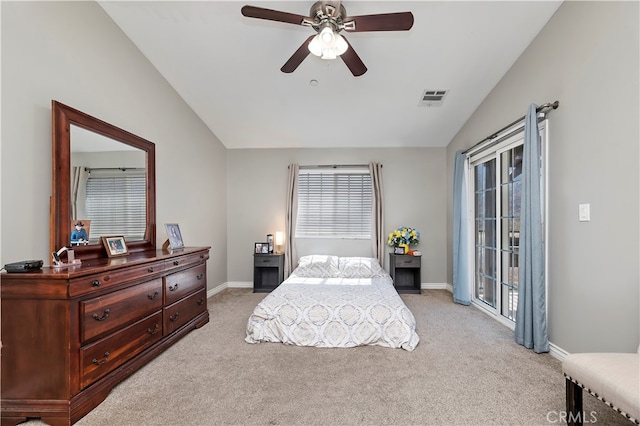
[587, 57]
[414, 191]
[74, 53]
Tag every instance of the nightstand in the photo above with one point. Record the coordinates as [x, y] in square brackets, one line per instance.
[268, 272]
[405, 271]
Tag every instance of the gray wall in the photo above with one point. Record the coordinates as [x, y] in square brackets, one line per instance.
[413, 184]
[74, 53]
[587, 57]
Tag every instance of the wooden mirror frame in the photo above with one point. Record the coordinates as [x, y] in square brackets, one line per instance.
[63, 117]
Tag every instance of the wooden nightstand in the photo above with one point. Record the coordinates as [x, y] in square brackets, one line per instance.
[268, 272]
[405, 271]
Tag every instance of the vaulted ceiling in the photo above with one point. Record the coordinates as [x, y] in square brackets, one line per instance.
[226, 67]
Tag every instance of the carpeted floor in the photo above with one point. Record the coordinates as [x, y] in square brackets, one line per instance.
[466, 370]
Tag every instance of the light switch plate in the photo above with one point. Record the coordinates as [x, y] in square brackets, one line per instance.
[584, 212]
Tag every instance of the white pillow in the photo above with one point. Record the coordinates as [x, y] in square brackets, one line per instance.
[318, 266]
[359, 267]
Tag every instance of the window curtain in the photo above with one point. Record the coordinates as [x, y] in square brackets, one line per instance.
[461, 283]
[531, 319]
[79, 177]
[377, 216]
[290, 221]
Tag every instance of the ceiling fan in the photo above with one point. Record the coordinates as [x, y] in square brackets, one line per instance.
[328, 18]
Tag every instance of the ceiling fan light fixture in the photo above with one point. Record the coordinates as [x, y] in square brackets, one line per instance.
[327, 37]
[341, 45]
[328, 44]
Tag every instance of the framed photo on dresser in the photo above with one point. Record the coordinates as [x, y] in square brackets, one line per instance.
[115, 246]
[175, 237]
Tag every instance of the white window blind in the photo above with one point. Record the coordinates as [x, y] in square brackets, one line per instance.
[334, 203]
[116, 204]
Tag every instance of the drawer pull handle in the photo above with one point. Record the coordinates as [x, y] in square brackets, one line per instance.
[103, 317]
[173, 287]
[174, 317]
[150, 270]
[154, 331]
[202, 256]
[200, 301]
[200, 276]
[96, 283]
[153, 296]
[102, 361]
[176, 263]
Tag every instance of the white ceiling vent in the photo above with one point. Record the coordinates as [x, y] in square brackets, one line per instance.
[432, 98]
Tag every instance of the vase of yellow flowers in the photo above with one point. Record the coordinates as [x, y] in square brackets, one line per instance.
[403, 237]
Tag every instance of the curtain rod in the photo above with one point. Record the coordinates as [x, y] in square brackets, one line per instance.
[542, 108]
[124, 169]
[336, 166]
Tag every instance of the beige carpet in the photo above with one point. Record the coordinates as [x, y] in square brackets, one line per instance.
[466, 370]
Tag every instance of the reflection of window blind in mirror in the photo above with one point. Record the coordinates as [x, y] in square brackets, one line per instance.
[334, 203]
[116, 204]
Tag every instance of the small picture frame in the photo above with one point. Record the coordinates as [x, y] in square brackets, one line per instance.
[398, 250]
[175, 236]
[115, 246]
[265, 248]
[257, 248]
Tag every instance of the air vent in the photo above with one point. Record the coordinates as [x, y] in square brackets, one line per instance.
[432, 98]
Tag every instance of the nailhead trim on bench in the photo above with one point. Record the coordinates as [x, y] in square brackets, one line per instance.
[602, 399]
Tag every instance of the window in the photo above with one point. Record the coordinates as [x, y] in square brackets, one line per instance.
[334, 203]
[496, 185]
[116, 203]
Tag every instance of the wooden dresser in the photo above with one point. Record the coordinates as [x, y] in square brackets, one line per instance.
[70, 335]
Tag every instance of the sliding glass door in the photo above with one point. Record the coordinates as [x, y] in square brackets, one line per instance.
[496, 180]
[486, 242]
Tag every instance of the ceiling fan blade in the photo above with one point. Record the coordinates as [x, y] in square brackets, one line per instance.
[298, 56]
[272, 15]
[400, 21]
[353, 61]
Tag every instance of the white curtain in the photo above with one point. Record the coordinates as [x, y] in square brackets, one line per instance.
[461, 266]
[531, 317]
[290, 255]
[377, 217]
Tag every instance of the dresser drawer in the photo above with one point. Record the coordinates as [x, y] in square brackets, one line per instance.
[182, 261]
[266, 261]
[103, 356]
[180, 313]
[91, 283]
[105, 313]
[179, 284]
[407, 261]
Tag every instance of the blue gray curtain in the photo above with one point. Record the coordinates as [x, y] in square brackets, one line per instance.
[531, 318]
[461, 284]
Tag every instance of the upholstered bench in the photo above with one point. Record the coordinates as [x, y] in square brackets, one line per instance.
[613, 378]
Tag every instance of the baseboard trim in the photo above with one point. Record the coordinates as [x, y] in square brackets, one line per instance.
[557, 352]
[240, 284]
[217, 289]
[434, 286]
[229, 284]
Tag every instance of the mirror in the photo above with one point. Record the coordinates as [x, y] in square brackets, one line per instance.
[83, 146]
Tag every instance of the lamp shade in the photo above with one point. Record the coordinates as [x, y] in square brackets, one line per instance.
[279, 238]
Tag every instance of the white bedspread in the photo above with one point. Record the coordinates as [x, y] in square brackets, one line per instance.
[334, 313]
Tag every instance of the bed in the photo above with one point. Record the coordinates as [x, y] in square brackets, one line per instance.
[334, 302]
